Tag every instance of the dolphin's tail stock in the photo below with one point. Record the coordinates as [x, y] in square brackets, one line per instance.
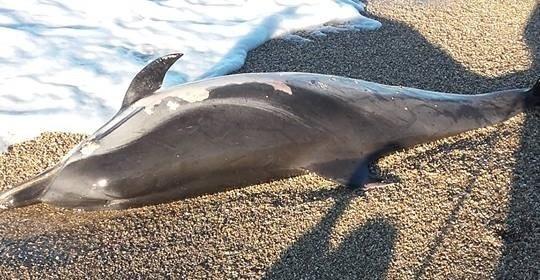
[534, 95]
[27, 193]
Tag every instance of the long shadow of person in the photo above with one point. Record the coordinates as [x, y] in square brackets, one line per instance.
[365, 253]
[521, 236]
[380, 56]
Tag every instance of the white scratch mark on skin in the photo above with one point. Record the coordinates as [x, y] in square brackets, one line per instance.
[172, 105]
[281, 87]
[322, 85]
[195, 95]
[88, 148]
[149, 109]
[150, 102]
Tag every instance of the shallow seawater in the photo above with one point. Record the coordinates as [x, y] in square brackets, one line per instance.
[65, 65]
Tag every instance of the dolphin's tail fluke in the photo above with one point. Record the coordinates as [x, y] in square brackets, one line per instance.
[27, 193]
[535, 94]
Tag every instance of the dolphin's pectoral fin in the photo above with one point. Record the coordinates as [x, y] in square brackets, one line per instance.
[349, 172]
[352, 173]
[149, 79]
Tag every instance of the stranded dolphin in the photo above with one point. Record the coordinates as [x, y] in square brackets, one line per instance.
[206, 136]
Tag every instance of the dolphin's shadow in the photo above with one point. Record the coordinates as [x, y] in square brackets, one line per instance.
[372, 59]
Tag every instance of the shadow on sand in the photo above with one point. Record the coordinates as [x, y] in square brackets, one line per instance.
[375, 56]
[380, 56]
[521, 256]
[363, 254]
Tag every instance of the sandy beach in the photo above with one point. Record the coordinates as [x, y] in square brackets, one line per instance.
[464, 207]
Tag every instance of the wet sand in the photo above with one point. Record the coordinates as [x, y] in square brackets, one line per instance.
[465, 207]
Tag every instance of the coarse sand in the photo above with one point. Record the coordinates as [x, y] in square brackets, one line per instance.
[464, 207]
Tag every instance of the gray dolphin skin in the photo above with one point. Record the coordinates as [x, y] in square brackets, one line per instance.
[211, 135]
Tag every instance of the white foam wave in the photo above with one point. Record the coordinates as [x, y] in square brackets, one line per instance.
[64, 65]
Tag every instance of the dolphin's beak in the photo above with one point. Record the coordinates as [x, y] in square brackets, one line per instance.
[29, 192]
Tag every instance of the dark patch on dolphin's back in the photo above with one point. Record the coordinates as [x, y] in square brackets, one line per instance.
[318, 108]
[306, 103]
[249, 90]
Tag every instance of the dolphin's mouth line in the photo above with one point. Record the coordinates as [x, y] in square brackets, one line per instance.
[100, 135]
[28, 192]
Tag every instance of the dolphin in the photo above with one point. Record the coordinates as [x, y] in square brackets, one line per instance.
[214, 134]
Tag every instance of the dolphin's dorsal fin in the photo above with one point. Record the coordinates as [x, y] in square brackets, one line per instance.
[149, 79]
